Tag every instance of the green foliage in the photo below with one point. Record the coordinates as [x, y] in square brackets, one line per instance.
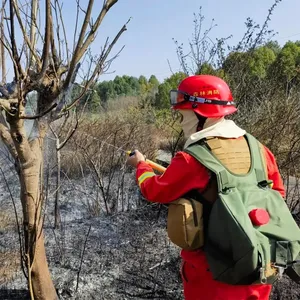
[94, 104]
[142, 80]
[260, 61]
[153, 81]
[148, 90]
[287, 62]
[268, 67]
[208, 69]
[253, 64]
[274, 46]
[106, 91]
[162, 97]
[121, 86]
[143, 85]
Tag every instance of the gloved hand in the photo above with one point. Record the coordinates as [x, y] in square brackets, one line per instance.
[135, 159]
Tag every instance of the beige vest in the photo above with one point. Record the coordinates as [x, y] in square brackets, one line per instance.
[234, 154]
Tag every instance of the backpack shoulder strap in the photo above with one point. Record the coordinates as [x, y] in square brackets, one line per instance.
[257, 159]
[200, 152]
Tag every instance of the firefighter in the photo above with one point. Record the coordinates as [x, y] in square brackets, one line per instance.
[203, 101]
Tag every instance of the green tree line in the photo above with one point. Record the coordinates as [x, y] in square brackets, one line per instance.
[265, 66]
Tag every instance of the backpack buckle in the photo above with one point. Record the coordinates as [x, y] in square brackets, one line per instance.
[227, 189]
[262, 275]
[265, 184]
[280, 269]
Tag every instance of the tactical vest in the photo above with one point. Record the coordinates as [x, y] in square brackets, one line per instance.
[187, 217]
[234, 154]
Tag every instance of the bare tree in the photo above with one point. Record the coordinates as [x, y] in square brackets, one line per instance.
[202, 49]
[50, 73]
[60, 142]
[205, 54]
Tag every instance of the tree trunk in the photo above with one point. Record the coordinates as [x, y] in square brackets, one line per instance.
[42, 284]
[30, 170]
[39, 279]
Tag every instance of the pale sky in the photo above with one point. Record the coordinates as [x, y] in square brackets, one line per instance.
[148, 41]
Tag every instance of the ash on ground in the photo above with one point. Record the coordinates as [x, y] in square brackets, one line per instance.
[127, 253]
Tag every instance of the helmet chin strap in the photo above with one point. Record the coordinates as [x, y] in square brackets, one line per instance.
[201, 122]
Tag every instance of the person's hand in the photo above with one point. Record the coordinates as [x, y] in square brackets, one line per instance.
[135, 159]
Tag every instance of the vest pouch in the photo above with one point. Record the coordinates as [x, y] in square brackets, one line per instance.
[185, 223]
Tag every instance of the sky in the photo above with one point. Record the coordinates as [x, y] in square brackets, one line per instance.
[148, 39]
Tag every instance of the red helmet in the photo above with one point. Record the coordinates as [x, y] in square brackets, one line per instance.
[207, 95]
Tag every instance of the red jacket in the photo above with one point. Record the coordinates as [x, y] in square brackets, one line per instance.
[184, 174]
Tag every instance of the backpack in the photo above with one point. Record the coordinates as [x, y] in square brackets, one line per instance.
[239, 249]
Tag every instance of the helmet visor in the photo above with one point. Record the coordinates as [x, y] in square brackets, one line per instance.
[177, 97]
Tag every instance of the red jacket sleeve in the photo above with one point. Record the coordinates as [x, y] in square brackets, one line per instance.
[183, 174]
[273, 172]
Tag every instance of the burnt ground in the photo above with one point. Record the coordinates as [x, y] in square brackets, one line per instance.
[127, 255]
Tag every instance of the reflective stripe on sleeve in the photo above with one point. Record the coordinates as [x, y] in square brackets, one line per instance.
[145, 176]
